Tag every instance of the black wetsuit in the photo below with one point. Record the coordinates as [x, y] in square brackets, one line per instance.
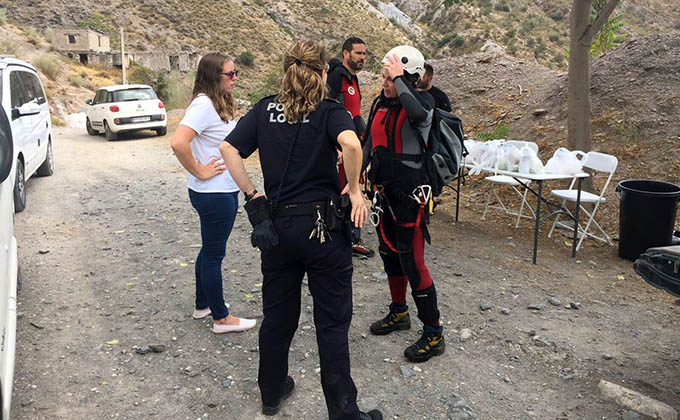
[393, 148]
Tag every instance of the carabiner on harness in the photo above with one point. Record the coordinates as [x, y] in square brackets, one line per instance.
[422, 194]
[376, 210]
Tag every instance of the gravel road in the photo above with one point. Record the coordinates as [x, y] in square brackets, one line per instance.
[107, 247]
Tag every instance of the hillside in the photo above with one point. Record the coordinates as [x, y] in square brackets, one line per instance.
[536, 29]
[264, 28]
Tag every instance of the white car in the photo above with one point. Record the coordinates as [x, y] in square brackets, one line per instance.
[9, 271]
[125, 108]
[25, 103]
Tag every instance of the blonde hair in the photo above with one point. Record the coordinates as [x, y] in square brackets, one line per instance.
[302, 87]
[209, 81]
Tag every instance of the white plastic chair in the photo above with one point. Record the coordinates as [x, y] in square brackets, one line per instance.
[513, 184]
[600, 162]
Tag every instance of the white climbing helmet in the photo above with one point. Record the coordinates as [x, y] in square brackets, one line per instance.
[412, 60]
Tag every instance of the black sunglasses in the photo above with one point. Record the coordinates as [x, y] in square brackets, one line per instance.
[231, 74]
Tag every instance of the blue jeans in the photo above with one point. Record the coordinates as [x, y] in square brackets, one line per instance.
[217, 212]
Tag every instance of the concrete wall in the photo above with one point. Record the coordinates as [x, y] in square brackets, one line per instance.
[158, 61]
[85, 40]
[167, 61]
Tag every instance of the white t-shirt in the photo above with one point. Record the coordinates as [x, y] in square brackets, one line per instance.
[211, 130]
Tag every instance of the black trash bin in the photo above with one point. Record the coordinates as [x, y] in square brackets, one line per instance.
[647, 215]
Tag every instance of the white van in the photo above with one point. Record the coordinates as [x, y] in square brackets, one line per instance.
[25, 103]
[9, 270]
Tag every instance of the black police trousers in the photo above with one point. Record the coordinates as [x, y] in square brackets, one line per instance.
[329, 272]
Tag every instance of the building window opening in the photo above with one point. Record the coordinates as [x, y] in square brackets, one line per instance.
[83, 59]
[71, 39]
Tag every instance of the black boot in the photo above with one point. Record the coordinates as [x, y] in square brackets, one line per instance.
[371, 415]
[392, 322]
[273, 407]
[431, 343]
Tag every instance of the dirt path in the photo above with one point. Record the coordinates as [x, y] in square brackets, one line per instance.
[107, 247]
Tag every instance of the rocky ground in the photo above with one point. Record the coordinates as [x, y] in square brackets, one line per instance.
[107, 247]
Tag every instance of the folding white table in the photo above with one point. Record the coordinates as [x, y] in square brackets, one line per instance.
[553, 208]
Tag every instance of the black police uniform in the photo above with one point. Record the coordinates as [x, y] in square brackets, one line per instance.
[311, 177]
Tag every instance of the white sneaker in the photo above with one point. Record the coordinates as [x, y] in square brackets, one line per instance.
[202, 313]
[243, 325]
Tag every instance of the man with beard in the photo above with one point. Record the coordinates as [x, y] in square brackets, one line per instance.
[344, 86]
[441, 100]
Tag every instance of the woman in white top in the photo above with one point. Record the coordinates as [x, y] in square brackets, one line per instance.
[212, 191]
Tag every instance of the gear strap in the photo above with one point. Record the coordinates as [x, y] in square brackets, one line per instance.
[415, 224]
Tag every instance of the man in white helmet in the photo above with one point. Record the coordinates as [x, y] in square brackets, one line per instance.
[398, 127]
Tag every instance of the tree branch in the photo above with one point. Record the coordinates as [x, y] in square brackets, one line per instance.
[592, 29]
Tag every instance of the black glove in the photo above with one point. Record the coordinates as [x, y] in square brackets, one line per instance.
[264, 236]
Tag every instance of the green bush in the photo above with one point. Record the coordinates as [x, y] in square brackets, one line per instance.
[446, 40]
[246, 58]
[78, 81]
[458, 41]
[558, 15]
[34, 36]
[3, 17]
[140, 74]
[500, 131]
[8, 48]
[97, 22]
[180, 89]
[510, 35]
[49, 66]
[502, 7]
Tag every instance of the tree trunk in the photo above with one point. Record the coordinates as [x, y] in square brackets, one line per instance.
[578, 87]
[581, 37]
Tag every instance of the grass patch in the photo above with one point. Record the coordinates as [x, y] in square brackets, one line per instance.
[49, 66]
[3, 17]
[79, 81]
[33, 37]
[8, 48]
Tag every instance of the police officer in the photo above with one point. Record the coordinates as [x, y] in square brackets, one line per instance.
[398, 128]
[343, 85]
[299, 227]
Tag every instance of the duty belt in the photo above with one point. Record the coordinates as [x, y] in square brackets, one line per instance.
[300, 209]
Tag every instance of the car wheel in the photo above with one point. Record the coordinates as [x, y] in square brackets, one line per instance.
[162, 131]
[19, 189]
[110, 135]
[91, 131]
[47, 167]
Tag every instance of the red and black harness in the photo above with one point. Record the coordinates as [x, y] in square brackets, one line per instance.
[389, 176]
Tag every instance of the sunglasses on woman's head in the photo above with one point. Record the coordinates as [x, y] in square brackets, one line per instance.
[231, 74]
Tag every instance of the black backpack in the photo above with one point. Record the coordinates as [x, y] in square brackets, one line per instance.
[444, 151]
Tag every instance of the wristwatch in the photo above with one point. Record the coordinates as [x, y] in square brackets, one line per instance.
[250, 195]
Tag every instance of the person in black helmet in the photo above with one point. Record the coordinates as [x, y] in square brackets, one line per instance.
[301, 225]
[398, 129]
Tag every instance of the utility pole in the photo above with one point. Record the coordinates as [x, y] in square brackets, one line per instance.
[122, 55]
